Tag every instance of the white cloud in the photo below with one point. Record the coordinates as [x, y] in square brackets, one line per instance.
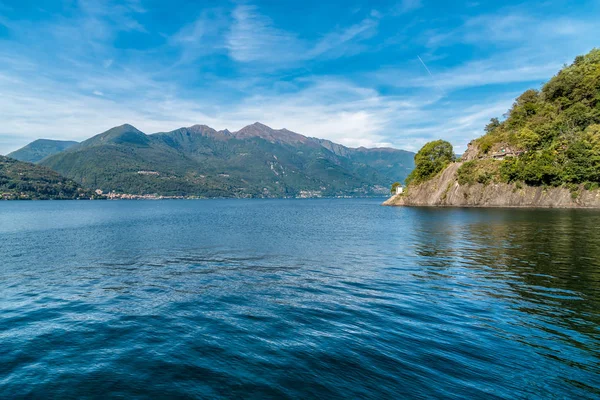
[326, 107]
[90, 88]
[515, 47]
[84, 33]
[406, 6]
[335, 44]
[203, 36]
[493, 71]
[516, 26]
[254, 38]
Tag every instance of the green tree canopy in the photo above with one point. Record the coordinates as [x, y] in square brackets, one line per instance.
[554, 131]
[431, 159]
[494, 123]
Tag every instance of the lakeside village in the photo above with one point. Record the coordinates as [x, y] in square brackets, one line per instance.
[304, 194]
[112, 195]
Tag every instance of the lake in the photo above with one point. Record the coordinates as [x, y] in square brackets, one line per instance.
[327, 298]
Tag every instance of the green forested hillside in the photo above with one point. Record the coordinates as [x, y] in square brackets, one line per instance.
[392, 163]
[22, 180]
[40, 149]
[550, 136]
[256, 161]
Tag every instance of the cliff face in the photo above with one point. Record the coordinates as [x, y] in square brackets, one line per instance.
[549, 138]
[444, 190]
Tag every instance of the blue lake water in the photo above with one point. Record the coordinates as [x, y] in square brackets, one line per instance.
[297, 299]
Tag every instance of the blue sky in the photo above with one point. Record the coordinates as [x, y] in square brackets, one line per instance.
[348, 70]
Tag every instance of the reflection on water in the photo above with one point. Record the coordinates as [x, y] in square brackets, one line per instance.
[289, 298]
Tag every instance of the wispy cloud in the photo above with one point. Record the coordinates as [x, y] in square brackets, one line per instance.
[88, 65]
[85, 34]
[406, 6]
[514, 26]
[254, 38]
[494, 71]
[205, 35]
[325, 107]
[339, 43]
[513, 45]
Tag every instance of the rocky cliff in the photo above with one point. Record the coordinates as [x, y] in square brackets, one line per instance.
[544, 152]
[444, 190]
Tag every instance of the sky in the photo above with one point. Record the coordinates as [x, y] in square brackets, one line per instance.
[373, 73]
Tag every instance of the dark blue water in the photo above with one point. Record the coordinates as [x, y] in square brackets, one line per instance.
[297, 299]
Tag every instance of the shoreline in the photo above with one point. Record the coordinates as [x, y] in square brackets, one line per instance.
[142, 198]
[487, 206]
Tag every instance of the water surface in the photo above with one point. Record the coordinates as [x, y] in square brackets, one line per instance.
[297, 299]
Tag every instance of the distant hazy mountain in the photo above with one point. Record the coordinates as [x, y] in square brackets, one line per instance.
[23, 180]
[40, 149]
[256, 161]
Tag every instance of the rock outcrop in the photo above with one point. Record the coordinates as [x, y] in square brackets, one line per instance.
[549, 139]
[444, 190]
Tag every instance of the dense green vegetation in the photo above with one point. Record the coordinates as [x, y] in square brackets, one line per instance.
[256, 161]
[430, 160]
[22, 180]
[478, 171]
[552, 136]
[40, 149]
[393, 164]
[549, 136]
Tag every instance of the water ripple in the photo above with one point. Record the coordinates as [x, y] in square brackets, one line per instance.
[297, 299]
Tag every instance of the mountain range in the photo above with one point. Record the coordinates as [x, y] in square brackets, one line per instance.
[255, 161]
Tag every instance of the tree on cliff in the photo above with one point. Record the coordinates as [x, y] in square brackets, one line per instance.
[431, 159]
[554, 132]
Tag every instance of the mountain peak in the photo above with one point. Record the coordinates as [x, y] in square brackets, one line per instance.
[41, 148]
[265, 132]
[125, 128]
[201, 128]
[125, 133]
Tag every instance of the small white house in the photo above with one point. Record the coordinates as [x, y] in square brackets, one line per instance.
[399, 189]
